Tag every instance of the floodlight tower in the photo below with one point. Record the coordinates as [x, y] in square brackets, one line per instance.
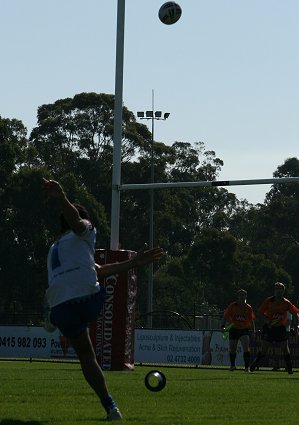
[152, 116]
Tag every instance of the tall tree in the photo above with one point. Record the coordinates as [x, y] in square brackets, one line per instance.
[75, 135]
[13, 143]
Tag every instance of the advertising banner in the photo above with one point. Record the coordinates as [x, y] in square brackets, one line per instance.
[215, 350]
[33, 342]
[168, 346]
[183, 347]
[151, 346]
[113, 333]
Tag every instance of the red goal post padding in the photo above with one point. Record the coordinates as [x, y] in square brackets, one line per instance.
[113, 333]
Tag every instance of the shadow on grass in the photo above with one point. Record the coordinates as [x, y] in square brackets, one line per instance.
[18, 422]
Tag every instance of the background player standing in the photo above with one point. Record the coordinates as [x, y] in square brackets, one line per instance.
[240, 316]
[275, 310]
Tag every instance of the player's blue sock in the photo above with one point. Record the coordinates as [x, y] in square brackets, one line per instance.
[108, 403]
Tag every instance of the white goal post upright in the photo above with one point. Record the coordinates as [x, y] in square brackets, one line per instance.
[117, 135]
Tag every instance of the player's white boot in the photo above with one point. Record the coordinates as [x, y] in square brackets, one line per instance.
[114, 414]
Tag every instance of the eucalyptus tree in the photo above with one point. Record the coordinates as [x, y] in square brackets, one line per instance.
[75, 135]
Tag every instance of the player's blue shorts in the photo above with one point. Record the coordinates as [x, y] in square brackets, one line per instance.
[72, 317]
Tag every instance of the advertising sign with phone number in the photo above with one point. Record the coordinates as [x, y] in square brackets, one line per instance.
[151, 346]
[33, 342]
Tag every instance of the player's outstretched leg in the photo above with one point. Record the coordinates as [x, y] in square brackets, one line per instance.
[94, 375]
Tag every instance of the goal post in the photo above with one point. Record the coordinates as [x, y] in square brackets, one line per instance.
[214, 183]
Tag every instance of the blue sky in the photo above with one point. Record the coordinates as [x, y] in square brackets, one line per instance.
[228, 71]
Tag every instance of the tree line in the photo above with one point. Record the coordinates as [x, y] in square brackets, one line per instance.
[214, 243]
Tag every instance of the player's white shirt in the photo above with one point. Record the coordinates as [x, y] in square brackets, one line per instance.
[71, 266]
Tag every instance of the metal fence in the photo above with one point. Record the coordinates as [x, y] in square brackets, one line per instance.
[161, 319]
[168, 319]
[17, 314]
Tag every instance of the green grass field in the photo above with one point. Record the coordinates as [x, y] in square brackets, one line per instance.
[53, 393]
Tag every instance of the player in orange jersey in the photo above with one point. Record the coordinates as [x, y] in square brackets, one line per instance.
[275, 310]
[239, 316]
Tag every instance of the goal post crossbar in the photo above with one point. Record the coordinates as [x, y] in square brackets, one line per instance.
[145, 186]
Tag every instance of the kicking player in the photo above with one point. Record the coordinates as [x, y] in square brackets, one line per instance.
[75, 297]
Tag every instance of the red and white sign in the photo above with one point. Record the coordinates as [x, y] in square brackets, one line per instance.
[113, 333]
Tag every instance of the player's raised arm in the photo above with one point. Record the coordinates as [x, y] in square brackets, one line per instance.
[54, 190]
[142, 258]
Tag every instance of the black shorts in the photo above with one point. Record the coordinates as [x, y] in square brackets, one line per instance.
[235, 334]
[274, 334]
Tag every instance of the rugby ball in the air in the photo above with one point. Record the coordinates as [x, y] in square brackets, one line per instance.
[170, 12]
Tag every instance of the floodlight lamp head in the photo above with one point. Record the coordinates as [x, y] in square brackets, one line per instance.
[149, 114]
[158, 114]
[166, 115]
[140, 114]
